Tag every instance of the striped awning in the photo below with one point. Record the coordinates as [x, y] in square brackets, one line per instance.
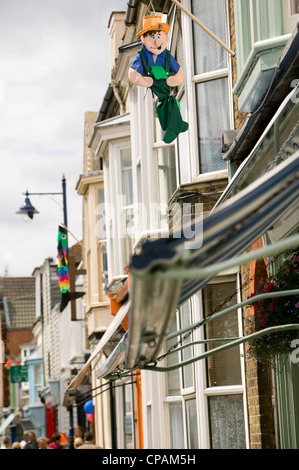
[97, 352]
[7, 422]
[226, 233]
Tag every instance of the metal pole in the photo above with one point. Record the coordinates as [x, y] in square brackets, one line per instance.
[71, 437]
[112, 417]
[64, 200]
[216, 315]
[243, 339]
[206, 271]
[199, 23]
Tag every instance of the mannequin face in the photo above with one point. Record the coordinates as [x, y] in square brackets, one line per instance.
[155, 42]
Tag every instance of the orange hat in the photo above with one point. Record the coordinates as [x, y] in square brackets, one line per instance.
[153, 23]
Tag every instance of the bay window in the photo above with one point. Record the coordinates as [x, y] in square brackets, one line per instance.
[211, 80]
[224, 390]
[102, 242]
[217, 421]
[119, 206]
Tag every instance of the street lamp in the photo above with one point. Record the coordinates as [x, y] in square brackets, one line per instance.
[29, 210]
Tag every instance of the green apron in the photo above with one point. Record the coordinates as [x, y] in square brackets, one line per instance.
[168, 107]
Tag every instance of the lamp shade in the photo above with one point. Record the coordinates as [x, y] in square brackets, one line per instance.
[27, 208]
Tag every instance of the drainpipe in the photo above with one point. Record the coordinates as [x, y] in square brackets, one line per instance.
[118, 97]
[112, 417]
[131, 12]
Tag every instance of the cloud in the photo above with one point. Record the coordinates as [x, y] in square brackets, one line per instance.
[54, 67]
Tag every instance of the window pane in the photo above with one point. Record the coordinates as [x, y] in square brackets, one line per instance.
[213, 118]
[209, 55]
[192, 424]
[227, 422]
[176, 425]
[172, 377]
[294, 7]
[166, 172]
[126, 176]
[128, 233]
[101, 218]
[104, 266]
[185, 320]
[128, 418]
[267, 19]
[158, 131]
[223, 368]
[38, 372]
[183, 153]
[149, 426]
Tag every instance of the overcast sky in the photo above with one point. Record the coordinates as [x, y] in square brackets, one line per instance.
[54, 66]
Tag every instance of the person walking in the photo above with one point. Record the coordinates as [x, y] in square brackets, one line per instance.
[6, 443]
[79, 432]
[43, 442]
[78, 442]
[56, 441]
[16, 445]
[32, 443]
[25, 440]
[89, 442]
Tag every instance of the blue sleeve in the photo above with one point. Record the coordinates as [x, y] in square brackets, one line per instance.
[137, 64]
[174, 66]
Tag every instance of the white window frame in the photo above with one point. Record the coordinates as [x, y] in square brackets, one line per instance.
[193, 79]
[112, 187]
[102, 241]
[200, 392]
[203, 391]
[187, 394]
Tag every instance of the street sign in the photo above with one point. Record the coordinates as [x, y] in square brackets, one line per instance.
[18, 374]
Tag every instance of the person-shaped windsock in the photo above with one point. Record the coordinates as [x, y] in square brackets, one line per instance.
[155, 68]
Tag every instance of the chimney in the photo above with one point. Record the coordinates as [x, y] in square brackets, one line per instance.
[117, 30]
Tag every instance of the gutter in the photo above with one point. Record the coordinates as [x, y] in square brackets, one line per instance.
[105, 104]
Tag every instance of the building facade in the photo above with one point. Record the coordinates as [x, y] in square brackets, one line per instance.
[17, 317]
[265, 86]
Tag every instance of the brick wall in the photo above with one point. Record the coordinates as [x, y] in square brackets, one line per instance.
[251, 370]
[258, 375]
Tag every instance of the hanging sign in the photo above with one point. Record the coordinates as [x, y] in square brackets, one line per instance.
[18, 374]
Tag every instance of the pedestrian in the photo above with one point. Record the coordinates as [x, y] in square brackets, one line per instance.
[6, 443]
[16, 445]
[56, 441]
[78, 442]
[79, 432]
[89, 442]
[32, 443]
[43, 442]
[25, 440]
